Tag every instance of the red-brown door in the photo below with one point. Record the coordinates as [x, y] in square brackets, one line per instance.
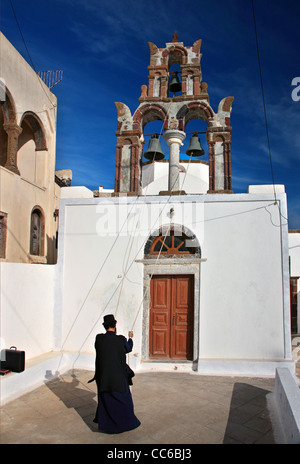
[171, 316]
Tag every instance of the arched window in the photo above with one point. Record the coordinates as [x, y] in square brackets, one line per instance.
[172, 242]
[37, 232]
[171, 245]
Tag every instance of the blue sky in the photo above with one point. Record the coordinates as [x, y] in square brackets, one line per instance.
[102, 48]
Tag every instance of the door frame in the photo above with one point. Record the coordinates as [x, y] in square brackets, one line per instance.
[170, 266]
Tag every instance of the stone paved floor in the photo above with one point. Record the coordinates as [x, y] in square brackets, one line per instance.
[174, 408]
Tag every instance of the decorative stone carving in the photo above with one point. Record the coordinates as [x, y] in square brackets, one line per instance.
[13, 131]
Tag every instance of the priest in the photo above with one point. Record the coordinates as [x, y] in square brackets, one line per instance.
[115, 412]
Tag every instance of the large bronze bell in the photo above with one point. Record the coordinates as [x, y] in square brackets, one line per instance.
[154, 152]
[175, 84]
[195, 148]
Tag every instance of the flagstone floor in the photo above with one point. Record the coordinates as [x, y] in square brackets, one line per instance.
[174, 408]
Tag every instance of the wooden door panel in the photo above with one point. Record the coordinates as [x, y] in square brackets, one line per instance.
[181, 319]
[182, 327]
[182, 292]
[160, 307]
[171, 316]
[160, 319]
[181, 341]
[161, 296]
[160, 343]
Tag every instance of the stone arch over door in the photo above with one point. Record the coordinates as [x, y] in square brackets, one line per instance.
[190, 245]
[171, 266]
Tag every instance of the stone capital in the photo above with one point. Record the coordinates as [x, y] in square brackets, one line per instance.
[12, 128]
[174, 136]
[13, 131]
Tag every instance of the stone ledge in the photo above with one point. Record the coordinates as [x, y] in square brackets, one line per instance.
[172, 192]
[39, 370]
[287, 400]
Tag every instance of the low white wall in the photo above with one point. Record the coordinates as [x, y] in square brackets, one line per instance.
[27, 302]
[39, 370]
[287, 402]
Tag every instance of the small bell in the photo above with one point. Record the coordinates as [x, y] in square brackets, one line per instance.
[195, 148]
[175, 84]
[154, 152]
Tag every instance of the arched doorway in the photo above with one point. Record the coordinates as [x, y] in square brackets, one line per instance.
[172, 259]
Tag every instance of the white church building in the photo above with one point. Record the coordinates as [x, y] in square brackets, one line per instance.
[199, 273]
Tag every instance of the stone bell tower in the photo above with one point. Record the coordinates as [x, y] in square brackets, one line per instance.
[175, 111]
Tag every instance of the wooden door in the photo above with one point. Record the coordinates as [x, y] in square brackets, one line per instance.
[171, 316]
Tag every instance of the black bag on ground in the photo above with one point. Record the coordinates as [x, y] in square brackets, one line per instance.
[14, 360]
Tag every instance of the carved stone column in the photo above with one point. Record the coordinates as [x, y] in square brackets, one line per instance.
[227, 162]
[211, 151]
[13, 131]
[118, 168]
[128, 170]
[135, 176]
[174, 139]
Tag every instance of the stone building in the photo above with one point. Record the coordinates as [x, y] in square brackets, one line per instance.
[29, 193]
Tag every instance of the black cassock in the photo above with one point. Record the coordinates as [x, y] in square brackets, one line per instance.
[115, 412]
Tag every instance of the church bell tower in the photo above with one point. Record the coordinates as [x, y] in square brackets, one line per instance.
[175, 95]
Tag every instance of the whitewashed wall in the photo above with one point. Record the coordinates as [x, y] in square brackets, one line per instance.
[193, 177]
[244, 279]
[27, 302]
[242, 293]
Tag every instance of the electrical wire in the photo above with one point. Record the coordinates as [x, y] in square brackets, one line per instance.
[265, 113]
[263, 99]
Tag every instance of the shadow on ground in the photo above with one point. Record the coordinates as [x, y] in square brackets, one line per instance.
[248, 420]
[76, 395]
[177, 408]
